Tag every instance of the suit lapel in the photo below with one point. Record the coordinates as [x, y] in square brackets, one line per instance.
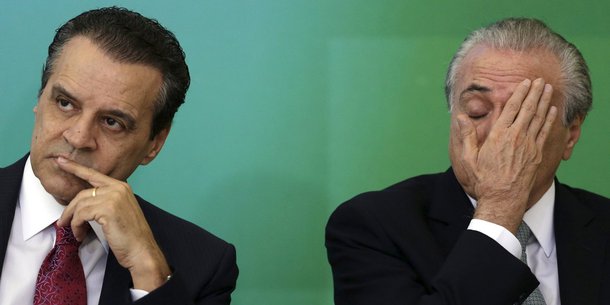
[450, 210]
[117, 281]
[581, 239]
[10, 184]
[448, 214]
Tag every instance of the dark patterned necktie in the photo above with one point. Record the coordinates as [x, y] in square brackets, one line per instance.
[523, 235]
[61, 280]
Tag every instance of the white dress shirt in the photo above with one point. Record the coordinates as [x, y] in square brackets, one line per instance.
[540, 250]
[33, 236]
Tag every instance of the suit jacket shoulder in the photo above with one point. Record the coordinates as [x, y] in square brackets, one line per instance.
[594, 201]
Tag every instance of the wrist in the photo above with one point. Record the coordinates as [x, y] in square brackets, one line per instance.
[509, 223]
[150, 273]
[506, 213]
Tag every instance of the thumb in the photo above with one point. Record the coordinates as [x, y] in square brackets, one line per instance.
[468, 135]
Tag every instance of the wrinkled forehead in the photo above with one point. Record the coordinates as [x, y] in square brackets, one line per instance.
[86, 73]
[484, 66]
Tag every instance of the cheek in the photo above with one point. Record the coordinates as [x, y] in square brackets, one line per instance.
[45, 124]
[44, 135]
[116, 159]
[557, 142]
[37, 132]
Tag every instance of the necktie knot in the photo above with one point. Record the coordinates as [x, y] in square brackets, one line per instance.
[65, 236]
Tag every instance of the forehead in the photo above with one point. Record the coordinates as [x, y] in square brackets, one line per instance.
[504, 69]
[89, 74]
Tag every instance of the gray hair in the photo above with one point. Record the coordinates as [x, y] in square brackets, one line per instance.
[524, 34]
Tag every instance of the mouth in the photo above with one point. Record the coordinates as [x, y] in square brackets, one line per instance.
[67, 175]
[65, 156]
[70, 157]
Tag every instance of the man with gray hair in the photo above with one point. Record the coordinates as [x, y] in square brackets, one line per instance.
[497, 227]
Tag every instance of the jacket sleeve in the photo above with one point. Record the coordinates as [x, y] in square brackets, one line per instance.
[216, 292]
[369, 268]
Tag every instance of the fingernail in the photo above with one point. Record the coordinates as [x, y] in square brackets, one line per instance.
[548, 88]
[527, 82]
[62, 160]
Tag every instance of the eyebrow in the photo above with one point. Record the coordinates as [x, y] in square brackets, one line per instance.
[130, 122]
[60, 90]
[475, 88]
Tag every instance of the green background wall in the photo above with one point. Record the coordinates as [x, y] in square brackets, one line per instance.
[295, 106]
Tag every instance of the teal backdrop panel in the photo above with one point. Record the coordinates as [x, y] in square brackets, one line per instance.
[296, 106]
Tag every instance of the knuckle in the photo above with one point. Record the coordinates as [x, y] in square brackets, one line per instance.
[512, 107]
[529, 107]
[115, 197]
[124, 186]
[537, 118]
[514, 137]
[112, 208]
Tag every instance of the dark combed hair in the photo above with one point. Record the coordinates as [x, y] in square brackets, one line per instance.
[129, 37]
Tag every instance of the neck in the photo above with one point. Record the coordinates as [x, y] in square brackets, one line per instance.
[537, 193]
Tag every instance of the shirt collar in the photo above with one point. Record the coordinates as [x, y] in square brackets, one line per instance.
[541, 221]
[537, 218]
[39, 209]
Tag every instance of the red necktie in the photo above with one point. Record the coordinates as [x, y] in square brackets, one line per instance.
[61, 280]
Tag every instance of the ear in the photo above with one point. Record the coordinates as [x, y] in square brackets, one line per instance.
[156, 145]
[573, 135]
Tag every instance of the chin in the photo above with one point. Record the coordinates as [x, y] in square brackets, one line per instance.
[63, 187]
[64, 195]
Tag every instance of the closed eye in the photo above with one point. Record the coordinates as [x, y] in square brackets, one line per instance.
[477, 116]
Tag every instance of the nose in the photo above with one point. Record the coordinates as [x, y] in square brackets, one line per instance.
[81, 134]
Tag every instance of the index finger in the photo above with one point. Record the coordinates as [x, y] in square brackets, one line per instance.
[513, 105]
[88, 174]
[530, 105]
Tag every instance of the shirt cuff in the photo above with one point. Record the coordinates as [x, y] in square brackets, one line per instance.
[500, 234]
[137, 294]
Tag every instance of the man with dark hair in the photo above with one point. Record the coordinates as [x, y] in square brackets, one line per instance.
[497, 227]
[71, 229]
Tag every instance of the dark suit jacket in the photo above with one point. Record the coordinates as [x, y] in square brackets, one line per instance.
[204, 266]
[408, 244]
